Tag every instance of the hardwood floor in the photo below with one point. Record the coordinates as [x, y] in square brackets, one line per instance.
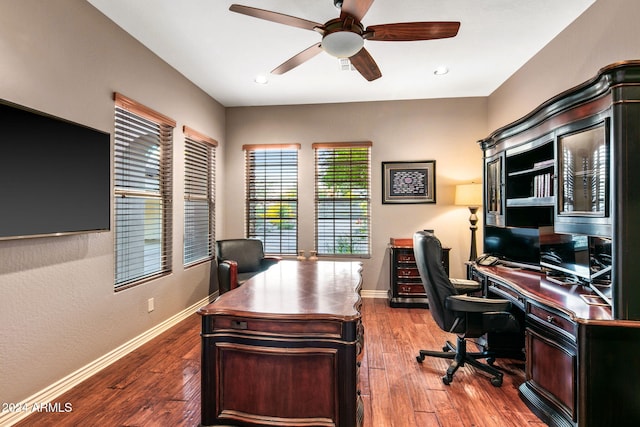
[159, 383]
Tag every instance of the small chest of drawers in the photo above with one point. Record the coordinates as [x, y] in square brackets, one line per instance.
[405, 286]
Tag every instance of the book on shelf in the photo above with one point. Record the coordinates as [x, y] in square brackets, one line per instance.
[542, 185]
[543, 164]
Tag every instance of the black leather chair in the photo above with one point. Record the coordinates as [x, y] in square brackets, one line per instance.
[458, 313]
[238, 260]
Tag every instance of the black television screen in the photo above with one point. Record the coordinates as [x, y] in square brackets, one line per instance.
[513, 244]
[54, 175]
[566, 253]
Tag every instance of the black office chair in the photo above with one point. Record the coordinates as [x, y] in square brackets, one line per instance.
[458, 313]
[239, 260]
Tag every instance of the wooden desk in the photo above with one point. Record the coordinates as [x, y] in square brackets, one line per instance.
[582, 367]
[283, 349]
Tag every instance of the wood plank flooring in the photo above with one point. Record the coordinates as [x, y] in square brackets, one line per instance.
[159, 383]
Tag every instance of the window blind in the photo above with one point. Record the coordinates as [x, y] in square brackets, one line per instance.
[271, 179]
[143, 188]
[343, 198]
[199, 196]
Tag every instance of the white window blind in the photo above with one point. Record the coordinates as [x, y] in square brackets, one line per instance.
[343, 198]
[271, 173]
[199, 196]
[143, 148]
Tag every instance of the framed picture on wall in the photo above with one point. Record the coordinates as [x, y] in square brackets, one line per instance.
[409, 182]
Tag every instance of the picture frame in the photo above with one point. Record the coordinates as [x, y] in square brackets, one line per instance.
[409, 182]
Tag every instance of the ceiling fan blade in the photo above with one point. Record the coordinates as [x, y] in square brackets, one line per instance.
[364, 63]
[410, 31]
[355, 8]
[280, 18]
[298, 59]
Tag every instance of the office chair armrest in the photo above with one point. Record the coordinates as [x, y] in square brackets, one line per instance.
[464, 286]
[227, 275]
[475, 304]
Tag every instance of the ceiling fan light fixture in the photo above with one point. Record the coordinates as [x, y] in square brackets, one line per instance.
[342, 44]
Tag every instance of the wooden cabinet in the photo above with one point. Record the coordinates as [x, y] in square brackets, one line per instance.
[578, 358]
[582, 334]
[494, 190]
[284, 348]
[584, 155]
[405, 285]
[551, 354]
[571, 166]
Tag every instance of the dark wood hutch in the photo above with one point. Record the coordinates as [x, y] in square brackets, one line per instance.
[572, 168]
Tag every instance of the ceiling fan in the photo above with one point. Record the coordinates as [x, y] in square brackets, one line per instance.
[344, 37]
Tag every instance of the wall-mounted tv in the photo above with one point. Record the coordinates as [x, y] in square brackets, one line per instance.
[54, 175]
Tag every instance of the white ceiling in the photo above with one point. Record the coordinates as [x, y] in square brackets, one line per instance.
[222, 52]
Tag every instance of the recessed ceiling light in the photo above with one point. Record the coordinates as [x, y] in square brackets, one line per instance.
[441, 70]
[261, 79]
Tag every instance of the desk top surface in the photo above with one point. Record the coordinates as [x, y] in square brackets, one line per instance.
[565, 297]
[296, 289]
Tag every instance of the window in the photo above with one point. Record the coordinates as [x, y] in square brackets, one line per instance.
[343, 198]
[143, 147]
[272, 196]
[199, 192]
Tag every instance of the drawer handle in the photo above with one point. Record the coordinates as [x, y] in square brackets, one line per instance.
[238, 324]
[551, 319]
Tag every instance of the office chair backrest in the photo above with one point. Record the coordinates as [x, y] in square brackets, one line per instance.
[428, 254]
[248, 253]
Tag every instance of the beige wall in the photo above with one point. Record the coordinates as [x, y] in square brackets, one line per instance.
[444, 130]
[605, 33]
[58, 310]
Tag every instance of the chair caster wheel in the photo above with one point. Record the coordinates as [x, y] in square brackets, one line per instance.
[447, 379]
[491, 361]
[496, 381]
[420, 358]
[445, 348]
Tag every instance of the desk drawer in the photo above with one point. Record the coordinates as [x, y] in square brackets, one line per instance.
[405, 257]
[408, 272]
[411, 289]
[250, 326]
[505, 292]
[548, 317]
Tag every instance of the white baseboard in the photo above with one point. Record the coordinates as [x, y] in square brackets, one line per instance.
[373, 294]
[50, 393]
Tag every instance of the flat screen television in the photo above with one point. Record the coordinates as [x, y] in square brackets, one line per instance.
[585, 257]
[519, 246]
[54, 175]
[566, 254]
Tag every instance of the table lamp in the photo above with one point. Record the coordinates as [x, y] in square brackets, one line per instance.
[470, 195]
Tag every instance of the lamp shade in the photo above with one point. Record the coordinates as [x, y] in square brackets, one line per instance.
[469, 195]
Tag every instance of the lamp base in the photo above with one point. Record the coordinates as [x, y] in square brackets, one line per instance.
[473, 220]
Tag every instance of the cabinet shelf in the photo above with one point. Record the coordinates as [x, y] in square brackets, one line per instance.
[531, 201]
[533, 170]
